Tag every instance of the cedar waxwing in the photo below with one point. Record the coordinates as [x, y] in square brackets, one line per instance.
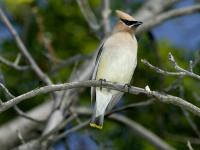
[115, 62]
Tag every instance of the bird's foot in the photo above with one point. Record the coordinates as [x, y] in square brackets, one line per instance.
[128, 86]
[101, 83]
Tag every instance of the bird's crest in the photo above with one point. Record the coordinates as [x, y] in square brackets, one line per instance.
[124, 16]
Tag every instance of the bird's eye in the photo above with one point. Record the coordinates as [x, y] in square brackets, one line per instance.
[128, 23]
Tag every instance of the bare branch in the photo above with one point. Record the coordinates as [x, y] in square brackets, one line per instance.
[17, 109]
[191, 122]
[180, 71]
[153, 7]
[178, 68]
[6, 91]
[165, 98]
[105, 16]
[22, 114]
[20, 137]
[54, 120]
[18, 58]
[58, 127]
[189, 145]
[130, 106]
[8, 136]
[146, 134]
[67, 132]
[137, 128]
[24, 50]
[151, 22]
[88, 14]
[191, 66]
[69, 61]
[134, 126]
[12, 65]
[158, 70]
[183, 139]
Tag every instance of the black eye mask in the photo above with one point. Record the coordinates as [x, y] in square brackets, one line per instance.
[128, 23]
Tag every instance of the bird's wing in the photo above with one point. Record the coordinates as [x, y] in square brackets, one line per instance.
[114, 100]
[93, 89]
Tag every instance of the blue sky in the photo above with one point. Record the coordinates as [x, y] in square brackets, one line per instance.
[181, 32]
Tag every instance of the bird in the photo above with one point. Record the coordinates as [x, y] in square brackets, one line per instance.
[115, 62]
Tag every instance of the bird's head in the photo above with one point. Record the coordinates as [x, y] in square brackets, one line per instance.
[126, 22]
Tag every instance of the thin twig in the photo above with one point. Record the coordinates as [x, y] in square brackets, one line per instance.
[69, 61]
[178, 68]
[22, 114]
[143, 132]
[137, 128]
[17, 109]
[24, 50]
[89, 15]
[58, 127]
[20, 137]
[130, 106]
[105, 16]
[187, 115]
[156, 20]
[151, 8]
[180, 71]
[67, 132]
[183, 139]
[163, 72]
[18, 58]
[191, 122]
[189, 145]
[12, 65]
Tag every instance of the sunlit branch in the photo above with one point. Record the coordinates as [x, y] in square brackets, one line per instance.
[165, 98]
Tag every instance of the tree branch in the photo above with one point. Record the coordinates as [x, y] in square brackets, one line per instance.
[133, 90]
[130, 106]
[189, 145]
[17, 109]
[158, 70]
[153, 7]
[88, 15]
[180, 70]
[24, 50]
[146, 134]
[12, 65]
[105, 16]
[134, 126]
[151, 22]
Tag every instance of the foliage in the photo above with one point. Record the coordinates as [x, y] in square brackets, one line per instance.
[66, 29]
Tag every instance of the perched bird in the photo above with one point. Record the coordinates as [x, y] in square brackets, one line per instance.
[115, 62]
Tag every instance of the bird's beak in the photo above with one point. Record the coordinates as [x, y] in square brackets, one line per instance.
[137, 24]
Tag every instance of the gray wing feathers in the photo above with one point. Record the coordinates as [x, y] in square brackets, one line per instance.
[93, 89]
[115, 99]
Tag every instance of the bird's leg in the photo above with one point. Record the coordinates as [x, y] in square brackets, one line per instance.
[128, 86]
[101, 82]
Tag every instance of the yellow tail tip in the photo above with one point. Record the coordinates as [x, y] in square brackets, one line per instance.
[96, 126]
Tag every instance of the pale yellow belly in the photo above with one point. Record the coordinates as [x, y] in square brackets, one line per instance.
[117, 65]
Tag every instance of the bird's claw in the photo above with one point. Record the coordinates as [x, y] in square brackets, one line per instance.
[128, 86]
[101, 83]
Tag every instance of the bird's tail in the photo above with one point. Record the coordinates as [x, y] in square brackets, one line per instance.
[102, 101]
[97, 122]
